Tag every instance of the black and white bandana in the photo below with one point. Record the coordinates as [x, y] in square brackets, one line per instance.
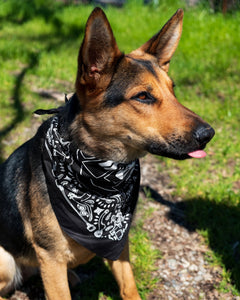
[93, 199]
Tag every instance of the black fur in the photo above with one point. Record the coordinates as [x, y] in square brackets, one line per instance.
[15, 179]
[14, 176]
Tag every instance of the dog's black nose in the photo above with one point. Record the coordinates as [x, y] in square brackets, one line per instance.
[204, 133]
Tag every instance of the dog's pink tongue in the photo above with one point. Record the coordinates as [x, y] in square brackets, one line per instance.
[198, 154]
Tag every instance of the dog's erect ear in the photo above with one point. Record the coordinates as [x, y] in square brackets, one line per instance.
[164, 43]
[99, 50]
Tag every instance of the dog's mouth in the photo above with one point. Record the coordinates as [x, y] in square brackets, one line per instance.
[178, 153]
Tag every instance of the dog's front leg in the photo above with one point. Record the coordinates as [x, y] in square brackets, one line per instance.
[54, 276]
[123, 274]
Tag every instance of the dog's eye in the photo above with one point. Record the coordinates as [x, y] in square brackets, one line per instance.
[144, 97]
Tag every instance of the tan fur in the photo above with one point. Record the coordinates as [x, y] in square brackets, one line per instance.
[124, 276]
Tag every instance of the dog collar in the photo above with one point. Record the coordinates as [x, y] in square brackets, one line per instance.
[93, 199]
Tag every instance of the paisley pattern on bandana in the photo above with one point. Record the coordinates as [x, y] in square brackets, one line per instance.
[99, 192]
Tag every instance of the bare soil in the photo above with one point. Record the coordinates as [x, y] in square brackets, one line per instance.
[183, 271]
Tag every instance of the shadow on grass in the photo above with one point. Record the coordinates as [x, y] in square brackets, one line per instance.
[221, 221]
[19, 112]
[97, 279]
[63, 34]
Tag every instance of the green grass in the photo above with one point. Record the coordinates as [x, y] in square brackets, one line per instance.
[38, 49]
[143, 254]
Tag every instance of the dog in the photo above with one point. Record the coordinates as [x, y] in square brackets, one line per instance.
[70, 192]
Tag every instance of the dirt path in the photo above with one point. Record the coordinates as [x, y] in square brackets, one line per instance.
[183, 271]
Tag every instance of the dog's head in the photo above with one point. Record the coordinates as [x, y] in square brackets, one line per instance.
[128, 105]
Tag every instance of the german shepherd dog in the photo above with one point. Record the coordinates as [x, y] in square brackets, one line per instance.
[69, 193]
